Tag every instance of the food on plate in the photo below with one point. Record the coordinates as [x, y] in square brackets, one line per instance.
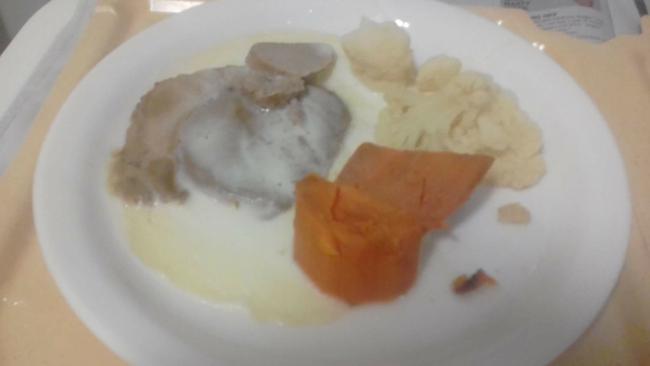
[359, 238]
[257, 155]
[464, 284]
[467, 114]
[514, 213]
[430, 185]
[303, 60]
[259, 137]
[380, 54]
[239, 134]
[199, 246]
[437, 72]
[442, 108]
[270, 90]
[353, 246]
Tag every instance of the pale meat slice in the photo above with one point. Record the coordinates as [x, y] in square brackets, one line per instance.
[237, 133]
[143, 171]
[235, 151]
[302, 60]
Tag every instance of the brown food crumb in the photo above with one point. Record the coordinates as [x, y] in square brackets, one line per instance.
[270, 90]
[514, 213]
[463, 284]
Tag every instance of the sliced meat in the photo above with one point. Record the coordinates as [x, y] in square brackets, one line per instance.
[151, 138]
[262, 108]
[234, 150]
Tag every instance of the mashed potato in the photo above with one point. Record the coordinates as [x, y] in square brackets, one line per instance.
[380, 54]
[437, 72]
[445, 108]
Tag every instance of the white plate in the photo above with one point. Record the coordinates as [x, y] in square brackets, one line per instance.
[554, 274]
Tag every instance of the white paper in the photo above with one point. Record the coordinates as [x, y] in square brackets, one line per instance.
[585, 19]
[591, 20]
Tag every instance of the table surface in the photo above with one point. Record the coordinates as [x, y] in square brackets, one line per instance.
[38, 328]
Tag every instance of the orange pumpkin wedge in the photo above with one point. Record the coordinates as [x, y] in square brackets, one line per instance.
[353, 246]
[358, 238]
[430, 184]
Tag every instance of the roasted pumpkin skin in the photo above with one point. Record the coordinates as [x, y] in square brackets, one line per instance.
[353, 246]
[359, 238]
[432, 184]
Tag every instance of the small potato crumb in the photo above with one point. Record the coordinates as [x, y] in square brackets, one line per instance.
[514, 213]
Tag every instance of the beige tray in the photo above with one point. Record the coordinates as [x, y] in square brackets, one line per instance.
[38, 328]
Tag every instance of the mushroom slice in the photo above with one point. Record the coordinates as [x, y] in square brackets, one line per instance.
[303, 60]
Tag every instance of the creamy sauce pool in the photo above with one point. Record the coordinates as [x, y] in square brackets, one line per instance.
[228, 255]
